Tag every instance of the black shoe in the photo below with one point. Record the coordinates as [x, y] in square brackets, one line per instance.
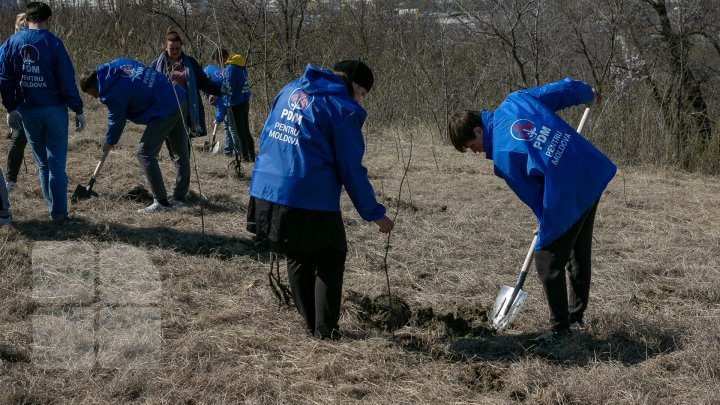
[576, 323]
[552, 338]
[63, 221]
[333, 335]
[577, 326]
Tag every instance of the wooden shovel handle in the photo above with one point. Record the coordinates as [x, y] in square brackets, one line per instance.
[99, 165]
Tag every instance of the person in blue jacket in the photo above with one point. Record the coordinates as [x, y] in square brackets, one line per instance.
[221, 116]
[132, 91]
[236, 89]
[310, 148]
[37, 84]
[557, 173]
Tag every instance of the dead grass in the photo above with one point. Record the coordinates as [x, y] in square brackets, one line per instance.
[652, 327]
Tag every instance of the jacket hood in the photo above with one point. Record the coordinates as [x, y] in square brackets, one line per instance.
[106, 78]
[322, 81]
[236, 60]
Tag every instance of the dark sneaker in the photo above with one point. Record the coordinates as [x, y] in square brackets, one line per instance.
[66, 220]
[178, 202]
[552, 338]
[6, 221]
[333, 334]
[577, 326]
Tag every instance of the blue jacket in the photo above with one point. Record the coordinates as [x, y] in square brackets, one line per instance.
[551, 168]
[216, 75]
[36, 71]
[132, 91]
[312, 146]
[236, 85]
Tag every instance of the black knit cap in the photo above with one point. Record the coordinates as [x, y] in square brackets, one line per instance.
[357, 72]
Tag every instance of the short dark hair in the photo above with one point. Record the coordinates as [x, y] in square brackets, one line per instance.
[461, 128]
[37, 11]
[357, 71]
[88, 81]
[220, 53]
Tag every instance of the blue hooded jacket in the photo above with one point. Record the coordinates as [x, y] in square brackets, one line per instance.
[312, 145]
[36, 71]
[216, 76]
[132, 91]
[551, 167]
[236, 85]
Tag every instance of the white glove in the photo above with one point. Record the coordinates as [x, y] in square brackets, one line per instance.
[14, 120]
[79, 122]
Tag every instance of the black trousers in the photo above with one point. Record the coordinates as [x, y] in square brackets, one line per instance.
[15, 155]
[571, 252]
[245, 145]
[316, 283]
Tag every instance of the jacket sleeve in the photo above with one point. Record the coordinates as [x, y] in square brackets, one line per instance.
[117, 117]
[349, 151]
[203, 82]
[562, 94]
[65, 74]
[7, 79]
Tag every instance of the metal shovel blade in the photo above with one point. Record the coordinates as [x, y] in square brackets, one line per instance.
[82, 193]
[501, 316]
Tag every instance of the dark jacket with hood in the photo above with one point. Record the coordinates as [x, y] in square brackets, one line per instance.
[196, 80]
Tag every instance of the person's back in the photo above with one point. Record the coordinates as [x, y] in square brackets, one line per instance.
[236, 84]
[135, 92]
[552, 168]
[216, 76]
[312, 145]
[37, 72]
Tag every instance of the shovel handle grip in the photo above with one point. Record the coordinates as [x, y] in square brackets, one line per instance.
[98, 167]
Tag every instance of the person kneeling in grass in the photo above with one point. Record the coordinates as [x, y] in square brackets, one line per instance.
[557, 173]
[132, 91]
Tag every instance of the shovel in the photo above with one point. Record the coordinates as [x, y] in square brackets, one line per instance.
[510, 300]
[212, 146]
[85, 192]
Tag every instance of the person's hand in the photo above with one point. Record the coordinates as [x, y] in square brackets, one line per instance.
[536, 230]
[14, 120]
[385, 224]
[107, 148]
[212, 98]
[79, 122]
[596, 99]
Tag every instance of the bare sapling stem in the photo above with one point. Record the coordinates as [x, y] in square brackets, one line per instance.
[397, 211]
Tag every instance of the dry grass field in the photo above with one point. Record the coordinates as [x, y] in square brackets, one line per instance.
[653, 331]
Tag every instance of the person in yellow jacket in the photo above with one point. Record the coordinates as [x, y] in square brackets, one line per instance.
[236, 89]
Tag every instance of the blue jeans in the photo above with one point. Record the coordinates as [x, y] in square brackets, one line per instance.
[46, 129]
[230, 138]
